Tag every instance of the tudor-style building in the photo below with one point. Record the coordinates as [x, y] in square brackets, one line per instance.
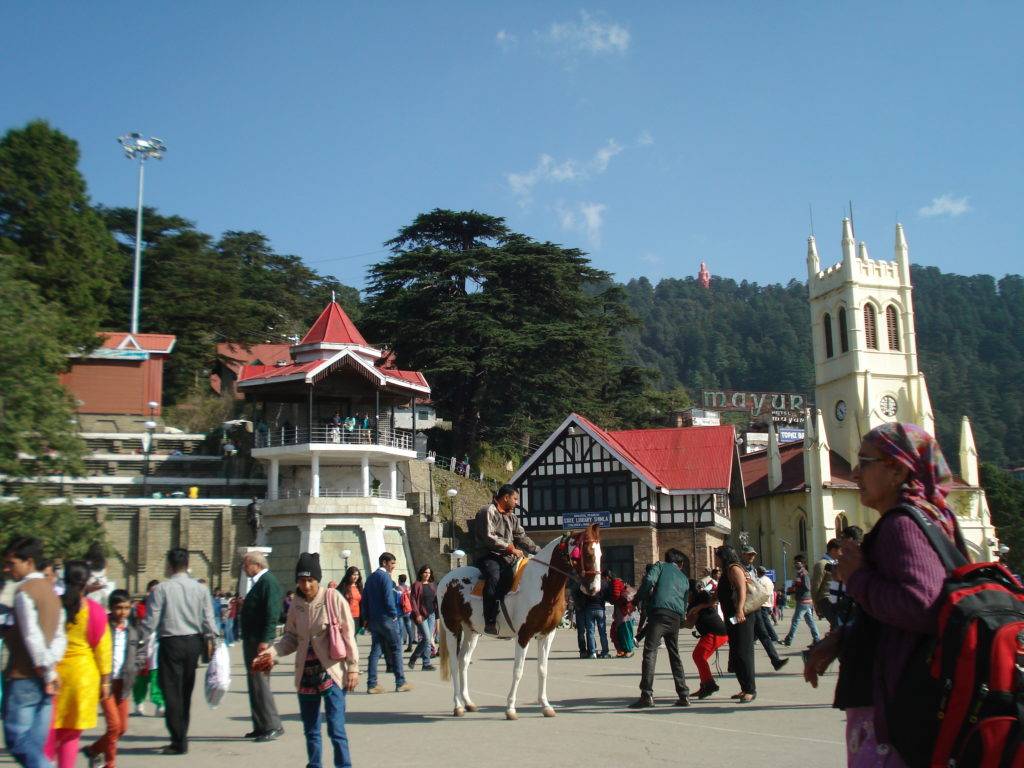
[336, 463]
[650, 489]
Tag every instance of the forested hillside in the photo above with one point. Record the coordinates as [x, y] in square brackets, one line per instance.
[970, 338]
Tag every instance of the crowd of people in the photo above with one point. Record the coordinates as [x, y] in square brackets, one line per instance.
[77, 646]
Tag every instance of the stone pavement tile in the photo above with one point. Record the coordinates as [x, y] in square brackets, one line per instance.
[789, 724]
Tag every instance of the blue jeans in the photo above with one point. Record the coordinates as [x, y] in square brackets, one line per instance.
[408, 629]
[806, 612]
[229, 632]
[426, 632]
[309, 709]
[595, 619]
[386, 639]
[27, 721]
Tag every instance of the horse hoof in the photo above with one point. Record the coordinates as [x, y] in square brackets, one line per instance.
[472, 708]
[548, 711]
[459, 712]
[510, 714]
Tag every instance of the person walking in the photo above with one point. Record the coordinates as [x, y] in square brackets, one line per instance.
[148, 679]
[424, 611]
[663, 591]
[84, 672]
[621, 596]
[35, 641]
[801, 590]
[124, 641]
[259, 629]
[179, 614]
[732, 593]
[319, 677]
[380, 607]
[821, 579]
[352, 591]
[405, 608]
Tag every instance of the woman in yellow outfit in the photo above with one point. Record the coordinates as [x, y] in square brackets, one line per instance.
[84, 672]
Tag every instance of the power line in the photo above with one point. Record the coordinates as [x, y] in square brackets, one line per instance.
[347, 258]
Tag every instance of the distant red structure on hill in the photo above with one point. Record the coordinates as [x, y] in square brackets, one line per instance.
[703, 276]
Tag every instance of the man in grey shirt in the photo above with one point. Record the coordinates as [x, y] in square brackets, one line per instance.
[180, 612]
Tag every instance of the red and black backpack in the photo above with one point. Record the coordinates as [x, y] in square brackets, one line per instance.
[975, 665]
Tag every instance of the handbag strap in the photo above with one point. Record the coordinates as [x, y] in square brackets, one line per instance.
[332, 616]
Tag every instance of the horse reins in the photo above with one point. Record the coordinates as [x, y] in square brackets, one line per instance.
[571, 575]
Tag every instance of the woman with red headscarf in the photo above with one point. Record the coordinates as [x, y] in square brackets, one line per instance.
[896, 579]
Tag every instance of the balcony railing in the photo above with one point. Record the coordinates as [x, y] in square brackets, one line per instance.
[334, 436]
[336, 493]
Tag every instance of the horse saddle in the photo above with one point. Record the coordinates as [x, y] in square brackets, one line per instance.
[517, 576]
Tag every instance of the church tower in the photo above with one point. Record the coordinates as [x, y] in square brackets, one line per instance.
[865, 349]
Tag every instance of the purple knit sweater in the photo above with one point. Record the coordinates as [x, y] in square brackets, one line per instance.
[899, 584]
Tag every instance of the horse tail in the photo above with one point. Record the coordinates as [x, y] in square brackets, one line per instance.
[446, 673]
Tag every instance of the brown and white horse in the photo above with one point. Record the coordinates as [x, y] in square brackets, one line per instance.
[534, 610]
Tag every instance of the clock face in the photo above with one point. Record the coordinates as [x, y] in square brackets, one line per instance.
[888, 406]
[841, 410]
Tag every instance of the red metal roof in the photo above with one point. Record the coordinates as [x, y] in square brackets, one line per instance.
[333, 327]
[677, 458]
[154, 343]
[268, 372]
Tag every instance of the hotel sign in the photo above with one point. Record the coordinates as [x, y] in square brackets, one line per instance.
[784, 407]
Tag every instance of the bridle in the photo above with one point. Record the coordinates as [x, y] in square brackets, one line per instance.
[572, 549]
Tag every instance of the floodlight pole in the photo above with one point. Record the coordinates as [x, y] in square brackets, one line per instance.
[137, 275]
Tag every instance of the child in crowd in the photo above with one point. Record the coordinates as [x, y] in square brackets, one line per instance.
[706, 618]
[147, 680]
[125, 644]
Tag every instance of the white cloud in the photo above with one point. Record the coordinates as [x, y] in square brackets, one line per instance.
[946, 205]
[548, 169]
[587, 35]
[644, 139]
[585, 218]
[506, 40]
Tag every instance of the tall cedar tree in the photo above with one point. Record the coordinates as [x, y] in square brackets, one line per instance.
[508, 330]
[46, 222]
[35, 410]
[1005, 494]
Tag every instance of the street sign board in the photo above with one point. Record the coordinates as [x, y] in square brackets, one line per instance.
[572, 520]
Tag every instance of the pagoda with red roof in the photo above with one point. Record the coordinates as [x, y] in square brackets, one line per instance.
[335, 460]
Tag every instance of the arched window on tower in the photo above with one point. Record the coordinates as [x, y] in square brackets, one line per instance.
[892, 325]
[802, 535]
[827, 320]
[870, 327]
[844, 336]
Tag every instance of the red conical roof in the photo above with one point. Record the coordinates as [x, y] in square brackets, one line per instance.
[333, 327]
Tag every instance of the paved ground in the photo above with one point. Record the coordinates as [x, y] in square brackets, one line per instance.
[789, 724]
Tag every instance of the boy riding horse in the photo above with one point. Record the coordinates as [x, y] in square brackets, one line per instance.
[500, 541]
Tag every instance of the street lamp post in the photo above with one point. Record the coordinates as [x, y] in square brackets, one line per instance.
[150, 427]
[346, 554]
[785, 557]
[137, 147]
[430, 472]
[459, 554]
[452, 493]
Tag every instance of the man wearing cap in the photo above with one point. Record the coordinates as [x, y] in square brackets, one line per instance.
[500, 541]
[763, 629]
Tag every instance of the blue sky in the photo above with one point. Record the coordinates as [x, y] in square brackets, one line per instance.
[652, 136]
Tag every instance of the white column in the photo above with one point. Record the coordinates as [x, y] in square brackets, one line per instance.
[314, 471]
[366, 475]
[393, 470]
[272, 475]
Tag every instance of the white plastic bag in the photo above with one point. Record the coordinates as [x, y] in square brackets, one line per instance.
[218, 676]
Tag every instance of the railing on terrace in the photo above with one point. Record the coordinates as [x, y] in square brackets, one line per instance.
[334, 436]
[335, 493]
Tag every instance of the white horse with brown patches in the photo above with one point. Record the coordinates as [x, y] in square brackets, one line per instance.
[534, 609]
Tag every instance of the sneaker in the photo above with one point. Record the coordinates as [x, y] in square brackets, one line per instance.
[429, 668]
[140, 710]
[95, 761]
[682, 701]
[644, 702]
[375, 689]
[404, 688]
[707, 689]
[591, 655]
[780, 664]
[160, 711]
[787, 642]
[604, 655]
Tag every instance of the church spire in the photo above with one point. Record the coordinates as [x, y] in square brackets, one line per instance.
[813, 262]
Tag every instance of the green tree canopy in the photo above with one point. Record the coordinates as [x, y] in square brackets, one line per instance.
[35, 410]
[59, 242]
[512, 333]
[1005, 494]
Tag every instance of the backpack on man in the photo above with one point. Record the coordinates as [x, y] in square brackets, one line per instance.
[968, 683]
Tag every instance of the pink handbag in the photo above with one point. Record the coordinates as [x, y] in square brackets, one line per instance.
[335, 632]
